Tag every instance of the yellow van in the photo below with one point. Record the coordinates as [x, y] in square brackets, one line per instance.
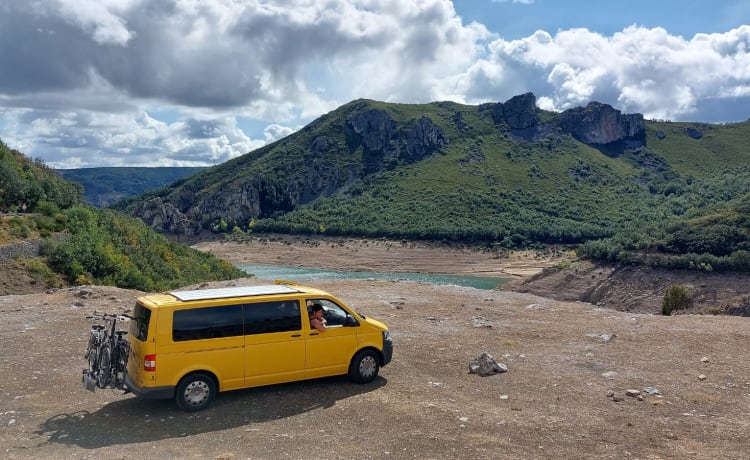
[189, 345]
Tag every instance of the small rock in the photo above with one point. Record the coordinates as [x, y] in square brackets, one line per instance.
[486, 365]
[702, 377]
[633, 393]
[602, 337]
[651, 390]
[610, 393]
[609, 375]
[481, 321]
[617, 398]
[705, 360]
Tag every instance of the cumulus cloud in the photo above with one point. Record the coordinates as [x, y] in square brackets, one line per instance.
[84, 81]
[637, 70]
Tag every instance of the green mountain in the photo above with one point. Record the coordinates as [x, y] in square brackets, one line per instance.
[104, 186]
[509, 174]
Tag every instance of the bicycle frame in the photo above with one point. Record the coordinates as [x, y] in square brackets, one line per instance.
[107, 353]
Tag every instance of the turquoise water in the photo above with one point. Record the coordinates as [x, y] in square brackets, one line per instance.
[272, 272]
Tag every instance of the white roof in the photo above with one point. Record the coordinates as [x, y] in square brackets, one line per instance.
[240, 291]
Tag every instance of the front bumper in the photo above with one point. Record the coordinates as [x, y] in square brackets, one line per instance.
[387, 348]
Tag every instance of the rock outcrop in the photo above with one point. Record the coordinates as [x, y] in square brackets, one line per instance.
[518, 112]
[385, 144]
[599, 123]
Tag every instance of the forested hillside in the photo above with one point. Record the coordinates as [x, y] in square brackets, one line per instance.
[25, 183]
[84, 245]
[613, 185]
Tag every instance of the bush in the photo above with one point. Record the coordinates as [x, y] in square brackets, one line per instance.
[676, 298]
[42, 273]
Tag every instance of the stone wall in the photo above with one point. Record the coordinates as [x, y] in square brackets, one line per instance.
[22, 250]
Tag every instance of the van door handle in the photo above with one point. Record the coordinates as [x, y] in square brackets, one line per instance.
[296, 335]
[314, 333]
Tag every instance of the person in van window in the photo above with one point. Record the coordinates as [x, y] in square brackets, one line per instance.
[316, 317]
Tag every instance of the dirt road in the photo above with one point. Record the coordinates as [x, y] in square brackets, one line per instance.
[570, 366]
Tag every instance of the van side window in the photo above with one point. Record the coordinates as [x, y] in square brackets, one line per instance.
[277, 316]
[139, 327]
[207, 323]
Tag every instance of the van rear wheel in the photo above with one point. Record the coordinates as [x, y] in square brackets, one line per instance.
[364, 367]
[195, 392]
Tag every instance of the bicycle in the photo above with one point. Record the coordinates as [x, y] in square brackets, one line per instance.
[106, 353]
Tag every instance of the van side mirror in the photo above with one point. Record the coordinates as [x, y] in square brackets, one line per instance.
[349, 321]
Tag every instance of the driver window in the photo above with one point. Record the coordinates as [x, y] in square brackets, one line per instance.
[332, 312]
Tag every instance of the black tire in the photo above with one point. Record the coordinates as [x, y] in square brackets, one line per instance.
[195, 392]
[93, 358]
[104, 367]
[364, 367]
[121, 364]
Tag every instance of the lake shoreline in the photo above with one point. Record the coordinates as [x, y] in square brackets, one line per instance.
[367, 255]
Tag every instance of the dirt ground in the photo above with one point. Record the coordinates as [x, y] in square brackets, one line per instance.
[582, 381]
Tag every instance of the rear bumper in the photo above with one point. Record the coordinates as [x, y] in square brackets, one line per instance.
[147, 392]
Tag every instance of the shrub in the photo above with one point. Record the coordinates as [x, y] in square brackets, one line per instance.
[676, 298]
[42, 273]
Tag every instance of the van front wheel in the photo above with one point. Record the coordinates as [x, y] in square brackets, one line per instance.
[364, 367]
[195, 392]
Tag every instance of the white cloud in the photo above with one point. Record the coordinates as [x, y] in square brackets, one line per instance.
[80, 77]
[637, 70]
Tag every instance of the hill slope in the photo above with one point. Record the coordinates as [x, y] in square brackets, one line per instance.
[506, 173]
[51, 239]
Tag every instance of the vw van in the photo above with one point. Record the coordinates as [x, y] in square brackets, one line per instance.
[190, 345]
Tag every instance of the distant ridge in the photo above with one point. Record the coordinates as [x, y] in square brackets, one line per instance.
[106, 185]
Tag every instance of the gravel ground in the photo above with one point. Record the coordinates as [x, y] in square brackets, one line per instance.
[565, 394]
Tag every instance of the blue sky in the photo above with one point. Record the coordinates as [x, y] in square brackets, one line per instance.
[192, 82]
[517, 19]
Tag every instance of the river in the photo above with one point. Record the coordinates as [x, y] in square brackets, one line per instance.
[273, 272]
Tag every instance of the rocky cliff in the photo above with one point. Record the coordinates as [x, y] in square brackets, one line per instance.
[595, 124]
[601, 124]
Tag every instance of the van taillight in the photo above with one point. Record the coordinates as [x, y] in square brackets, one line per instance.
[149, 363]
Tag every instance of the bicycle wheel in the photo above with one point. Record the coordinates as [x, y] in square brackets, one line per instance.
[93, 361]
[91, 354]
[104, 370]
[121, 364]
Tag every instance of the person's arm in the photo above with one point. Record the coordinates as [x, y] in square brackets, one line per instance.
[318, 324]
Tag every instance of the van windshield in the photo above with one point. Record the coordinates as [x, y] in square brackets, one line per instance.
[139, 325]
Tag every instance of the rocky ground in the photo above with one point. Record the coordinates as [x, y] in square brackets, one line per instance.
[582, 381]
